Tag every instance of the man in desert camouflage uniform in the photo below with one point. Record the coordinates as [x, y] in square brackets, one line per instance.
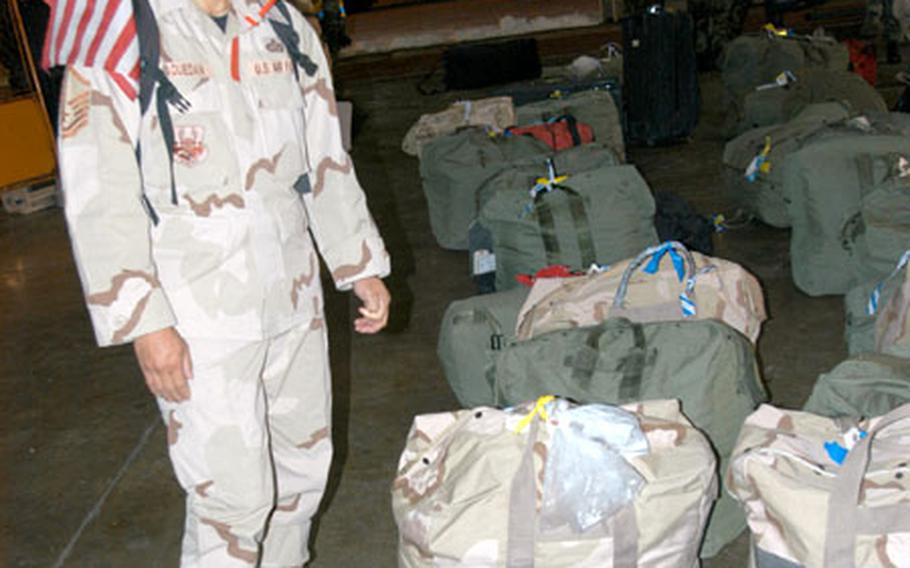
[215, 279]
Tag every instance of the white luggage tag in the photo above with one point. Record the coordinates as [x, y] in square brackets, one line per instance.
[785, 79]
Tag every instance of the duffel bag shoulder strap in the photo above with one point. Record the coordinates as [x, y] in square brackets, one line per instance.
[847, 517]
[545, 220]
[522, 532]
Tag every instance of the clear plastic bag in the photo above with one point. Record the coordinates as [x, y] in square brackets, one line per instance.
[587, 479]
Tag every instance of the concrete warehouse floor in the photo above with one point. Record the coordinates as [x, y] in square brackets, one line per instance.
[85, 477]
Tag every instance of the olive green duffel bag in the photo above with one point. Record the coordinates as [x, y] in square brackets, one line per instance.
[598, 216]
[760, 190]
[453, 167]
[870, 384]
[776, 105]
[753, 60]
[471, 336]
[708, 366]
[846, 200]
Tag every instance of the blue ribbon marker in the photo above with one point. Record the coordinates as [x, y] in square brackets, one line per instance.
[872, 305]
[678, 263]
[838, 453]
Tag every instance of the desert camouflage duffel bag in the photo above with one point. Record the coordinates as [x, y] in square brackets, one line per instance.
[663, 283]
[823, 492]
[554, 485]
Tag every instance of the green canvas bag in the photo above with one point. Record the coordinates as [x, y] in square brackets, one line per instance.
[707, 365]
[596, 216]
[869, 384]
[832, 187]
[767, 106]
[596, 108]
[761, 193]
[880, 233]
[453, 167]
[753, 60]
[471, 336]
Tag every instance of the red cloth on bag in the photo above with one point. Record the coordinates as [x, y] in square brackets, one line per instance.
[557, 134]
[863, 60]
[552, 271]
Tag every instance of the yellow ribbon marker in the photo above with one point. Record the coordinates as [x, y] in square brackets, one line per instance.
[554, 181]
[538, 410]
[774, 30]
[765, 166]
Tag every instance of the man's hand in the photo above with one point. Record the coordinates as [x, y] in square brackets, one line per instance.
[164, 358]
[375, 310]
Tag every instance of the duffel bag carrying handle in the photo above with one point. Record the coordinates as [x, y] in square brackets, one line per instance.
[684, 263]
[846, 517]
[522, 532]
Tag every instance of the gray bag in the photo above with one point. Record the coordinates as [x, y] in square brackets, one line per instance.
[596, 216]
[753, 60]
[709, 366]
[832, 190]
[596, 108]
[870, 384]
[767, 106]
[762, 194]
[453, 168]
[880, 233]
[472, 334]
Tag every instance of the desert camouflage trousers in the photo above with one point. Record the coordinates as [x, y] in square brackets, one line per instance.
[252, 448]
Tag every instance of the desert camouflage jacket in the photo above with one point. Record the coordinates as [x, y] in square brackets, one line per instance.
[258, 160]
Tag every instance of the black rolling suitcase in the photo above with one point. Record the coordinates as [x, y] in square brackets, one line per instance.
[660, 79]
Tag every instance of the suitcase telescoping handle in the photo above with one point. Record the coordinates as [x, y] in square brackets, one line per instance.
[684, 263]
[847, 517]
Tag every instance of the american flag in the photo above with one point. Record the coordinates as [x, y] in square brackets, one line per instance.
[95, 33]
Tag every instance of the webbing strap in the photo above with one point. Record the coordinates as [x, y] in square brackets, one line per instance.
[633, 367]
[149, 50]
[847, 517]
[571, 124]
[522, 530]
[864, 171]
[584, 362]
[547, 230]
[580, 223]
[167, 94]
[290, 38]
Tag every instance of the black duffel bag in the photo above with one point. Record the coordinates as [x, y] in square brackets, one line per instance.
[480, 65]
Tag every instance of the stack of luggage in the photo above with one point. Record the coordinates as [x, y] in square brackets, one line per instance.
[585, 206]
[614, 412]
[769, 77]
[827, 486]
[665, 323]
[841, 182]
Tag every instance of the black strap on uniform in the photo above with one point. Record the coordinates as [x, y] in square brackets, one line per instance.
[150, 76]
[291, 40]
